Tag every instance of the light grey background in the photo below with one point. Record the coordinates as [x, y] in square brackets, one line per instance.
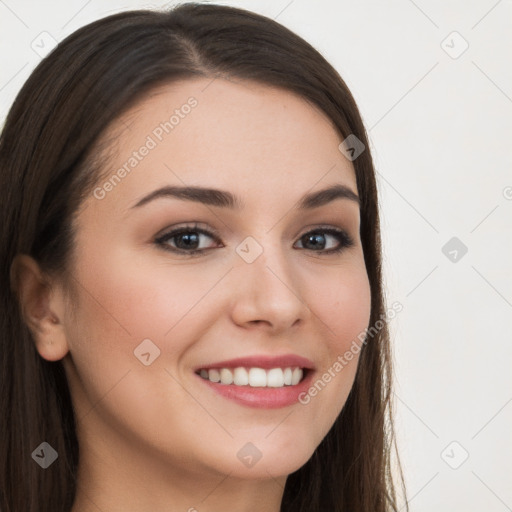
[440, 125]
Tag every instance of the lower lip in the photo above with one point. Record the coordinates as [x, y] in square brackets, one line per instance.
[265, 398]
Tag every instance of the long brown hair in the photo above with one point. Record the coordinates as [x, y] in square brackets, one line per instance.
[47, 168]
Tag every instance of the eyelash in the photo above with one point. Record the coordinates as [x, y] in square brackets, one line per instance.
[344, 239]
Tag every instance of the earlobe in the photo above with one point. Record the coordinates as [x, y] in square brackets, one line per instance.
[39, 307]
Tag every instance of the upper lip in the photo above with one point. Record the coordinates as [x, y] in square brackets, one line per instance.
[262, 361]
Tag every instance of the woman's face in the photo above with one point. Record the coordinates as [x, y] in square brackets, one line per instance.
[262, 292]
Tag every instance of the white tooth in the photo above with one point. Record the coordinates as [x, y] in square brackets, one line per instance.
[257, 377]
[214, 375]
[275, 378]
[287, 376]
[241, 377]
[296, 376]
[204, 374]
[226, 377]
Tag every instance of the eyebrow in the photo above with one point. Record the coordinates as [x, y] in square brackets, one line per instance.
[224, 199]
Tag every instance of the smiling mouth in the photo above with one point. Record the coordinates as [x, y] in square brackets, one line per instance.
[255, 377]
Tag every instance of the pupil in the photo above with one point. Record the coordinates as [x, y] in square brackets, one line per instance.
[317, 239]
[191, 239]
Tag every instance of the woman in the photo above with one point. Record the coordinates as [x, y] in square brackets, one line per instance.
[178, 333]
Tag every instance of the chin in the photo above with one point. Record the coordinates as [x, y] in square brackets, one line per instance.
[263, 458]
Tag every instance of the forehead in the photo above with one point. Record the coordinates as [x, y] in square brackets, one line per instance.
[253, 139]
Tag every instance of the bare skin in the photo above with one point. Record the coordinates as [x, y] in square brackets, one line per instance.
[154, 438]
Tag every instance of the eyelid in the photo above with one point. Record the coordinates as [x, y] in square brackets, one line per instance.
[190, 226]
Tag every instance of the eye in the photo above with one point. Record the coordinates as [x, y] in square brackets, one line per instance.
[186, 239]
[317, 240]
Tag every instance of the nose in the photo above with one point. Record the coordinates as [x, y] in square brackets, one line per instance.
[268, 293]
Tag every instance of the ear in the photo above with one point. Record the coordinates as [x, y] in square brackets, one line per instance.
[42, 307]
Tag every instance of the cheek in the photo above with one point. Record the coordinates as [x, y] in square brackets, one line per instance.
[345, 304]
[123, 300]
[344, 309]
[141, 297]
